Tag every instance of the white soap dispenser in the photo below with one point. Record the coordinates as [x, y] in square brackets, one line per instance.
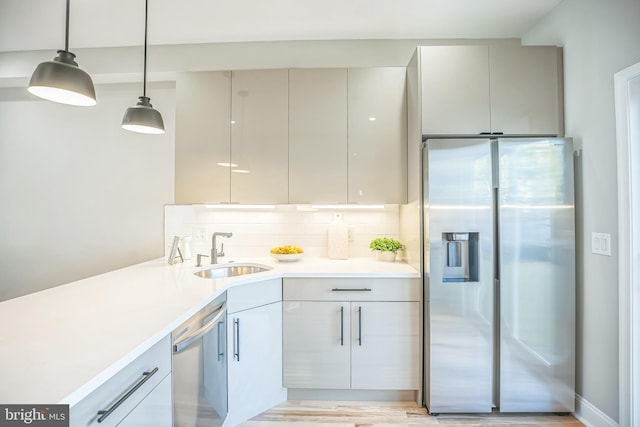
[338, 238]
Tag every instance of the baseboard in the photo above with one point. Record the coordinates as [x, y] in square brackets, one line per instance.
[352, 395]
[590, 415]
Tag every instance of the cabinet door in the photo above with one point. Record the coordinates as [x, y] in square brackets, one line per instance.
[259, 136]
[455, 90]
[318, 135]
[254, 362]
[214, 369]
[526, 94]
[377, 134]
[203, 112]
[316, 337]
[385, 345]
[154, 410]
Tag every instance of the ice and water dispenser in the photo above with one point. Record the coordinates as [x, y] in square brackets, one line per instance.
[460, 257]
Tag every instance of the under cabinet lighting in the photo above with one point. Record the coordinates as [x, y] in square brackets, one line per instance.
[227, 165]
[239, 206]
[347, 206]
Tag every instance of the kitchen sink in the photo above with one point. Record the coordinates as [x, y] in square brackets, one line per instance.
[230, 270]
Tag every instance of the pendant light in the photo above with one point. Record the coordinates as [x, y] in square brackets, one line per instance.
[61, 80]
[142, 117]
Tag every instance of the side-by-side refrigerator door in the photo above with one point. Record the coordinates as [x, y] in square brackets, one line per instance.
[459, 276]
[537, 275]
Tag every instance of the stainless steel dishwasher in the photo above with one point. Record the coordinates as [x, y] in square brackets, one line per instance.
[200, 368]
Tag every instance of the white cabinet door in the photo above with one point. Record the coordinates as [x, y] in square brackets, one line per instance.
[259, 136]
[317, 340]
[203, 112]
[254, 362]
[385, 345]
[455, 90]
[526, 92]
[377, 135]
[154, 410]
[318, 135]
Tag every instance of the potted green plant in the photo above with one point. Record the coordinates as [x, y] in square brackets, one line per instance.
[386, 248]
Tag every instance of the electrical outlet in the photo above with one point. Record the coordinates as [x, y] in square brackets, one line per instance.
[200, 232]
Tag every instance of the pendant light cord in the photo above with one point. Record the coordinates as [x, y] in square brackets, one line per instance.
[66, 37]
[144, 77]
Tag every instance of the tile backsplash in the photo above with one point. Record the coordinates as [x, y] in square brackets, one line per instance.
[256, 231]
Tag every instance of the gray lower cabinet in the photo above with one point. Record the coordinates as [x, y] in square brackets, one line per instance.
[254, 349]
[139, 395]
[361, 334]
[153, 410]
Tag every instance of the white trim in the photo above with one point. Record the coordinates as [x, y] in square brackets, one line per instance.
[628, 248]
[591, 416]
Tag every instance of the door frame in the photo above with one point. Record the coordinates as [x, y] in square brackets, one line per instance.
[628, 154]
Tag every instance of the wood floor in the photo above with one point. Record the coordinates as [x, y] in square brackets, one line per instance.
[374, 414]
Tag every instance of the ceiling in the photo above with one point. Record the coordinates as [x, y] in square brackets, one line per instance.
[27, 25]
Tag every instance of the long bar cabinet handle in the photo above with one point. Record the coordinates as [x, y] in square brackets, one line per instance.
[351, 290]
[360, 326]
[236, 339]
[342, 326]
[220, 349]
[145, 376]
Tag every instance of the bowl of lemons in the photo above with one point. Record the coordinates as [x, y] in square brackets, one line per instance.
[288, 253]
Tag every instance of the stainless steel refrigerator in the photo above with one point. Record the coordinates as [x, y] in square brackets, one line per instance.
[499, 259]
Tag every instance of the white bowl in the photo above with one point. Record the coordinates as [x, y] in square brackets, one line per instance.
[287, 257]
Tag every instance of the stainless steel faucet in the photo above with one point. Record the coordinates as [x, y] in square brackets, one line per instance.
[214, 249]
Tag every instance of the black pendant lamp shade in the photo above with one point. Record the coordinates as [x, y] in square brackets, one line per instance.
[142, 117]
[61, 80]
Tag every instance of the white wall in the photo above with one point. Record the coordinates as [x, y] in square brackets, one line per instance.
[79, 195]
[599, 38]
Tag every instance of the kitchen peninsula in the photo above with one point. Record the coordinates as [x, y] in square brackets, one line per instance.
[63, 343]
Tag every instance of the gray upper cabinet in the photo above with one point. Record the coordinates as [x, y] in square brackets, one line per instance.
[526, 90]
[202, 137]
[469, 90]
[259, 136]
[318, 135]
[377, 135]
[455, 90]
[292, 136]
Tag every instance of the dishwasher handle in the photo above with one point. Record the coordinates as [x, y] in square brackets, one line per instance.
[189, 340]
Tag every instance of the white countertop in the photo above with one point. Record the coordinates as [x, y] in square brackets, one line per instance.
[58, 345]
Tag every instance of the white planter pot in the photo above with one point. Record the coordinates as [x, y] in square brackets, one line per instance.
[386, 256]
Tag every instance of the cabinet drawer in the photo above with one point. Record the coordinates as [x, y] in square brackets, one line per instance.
[244, 297]
[156, 362]
[359, 289]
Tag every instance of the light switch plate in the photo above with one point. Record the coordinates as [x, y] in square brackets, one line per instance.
[601, 243]
[199, 232]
